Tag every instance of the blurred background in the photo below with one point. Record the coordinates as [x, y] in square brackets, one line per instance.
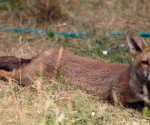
[76, 15]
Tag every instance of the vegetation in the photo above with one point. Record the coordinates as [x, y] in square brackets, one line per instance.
[48, 103]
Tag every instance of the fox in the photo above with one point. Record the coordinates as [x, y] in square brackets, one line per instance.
[8, 63]
[117, 82]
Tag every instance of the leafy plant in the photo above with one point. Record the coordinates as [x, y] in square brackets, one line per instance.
[50, 118]
[146, 110]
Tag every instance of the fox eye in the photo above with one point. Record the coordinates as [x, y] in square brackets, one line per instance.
[145, 62]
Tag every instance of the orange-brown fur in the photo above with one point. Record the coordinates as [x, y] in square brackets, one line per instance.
[117, 82]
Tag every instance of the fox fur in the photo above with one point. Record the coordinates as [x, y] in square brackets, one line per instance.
[9, 63]
[110, 81]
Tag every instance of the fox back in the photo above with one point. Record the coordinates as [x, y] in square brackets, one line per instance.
[116, 82]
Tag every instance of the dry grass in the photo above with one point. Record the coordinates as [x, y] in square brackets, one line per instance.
[46, 102]
[54, 104]
[76, 15]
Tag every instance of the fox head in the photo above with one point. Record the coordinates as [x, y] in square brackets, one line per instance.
[141, 54]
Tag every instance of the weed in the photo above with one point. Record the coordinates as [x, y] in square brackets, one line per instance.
[146, 111]
[51, 118]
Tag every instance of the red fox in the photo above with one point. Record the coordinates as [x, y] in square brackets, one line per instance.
[9, 63]
[117, 82]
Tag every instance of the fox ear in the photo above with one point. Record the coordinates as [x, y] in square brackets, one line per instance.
[135, 42]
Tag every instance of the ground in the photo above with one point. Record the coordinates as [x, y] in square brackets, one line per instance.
[48, 103]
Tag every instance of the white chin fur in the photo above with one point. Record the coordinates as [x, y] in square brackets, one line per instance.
[147, 76]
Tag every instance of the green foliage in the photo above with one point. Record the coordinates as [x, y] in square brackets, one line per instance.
[116, 52]
[146, 110]
[50, 118]
[38, 73]
[15, 88]
[50, 34]
[11, 5]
